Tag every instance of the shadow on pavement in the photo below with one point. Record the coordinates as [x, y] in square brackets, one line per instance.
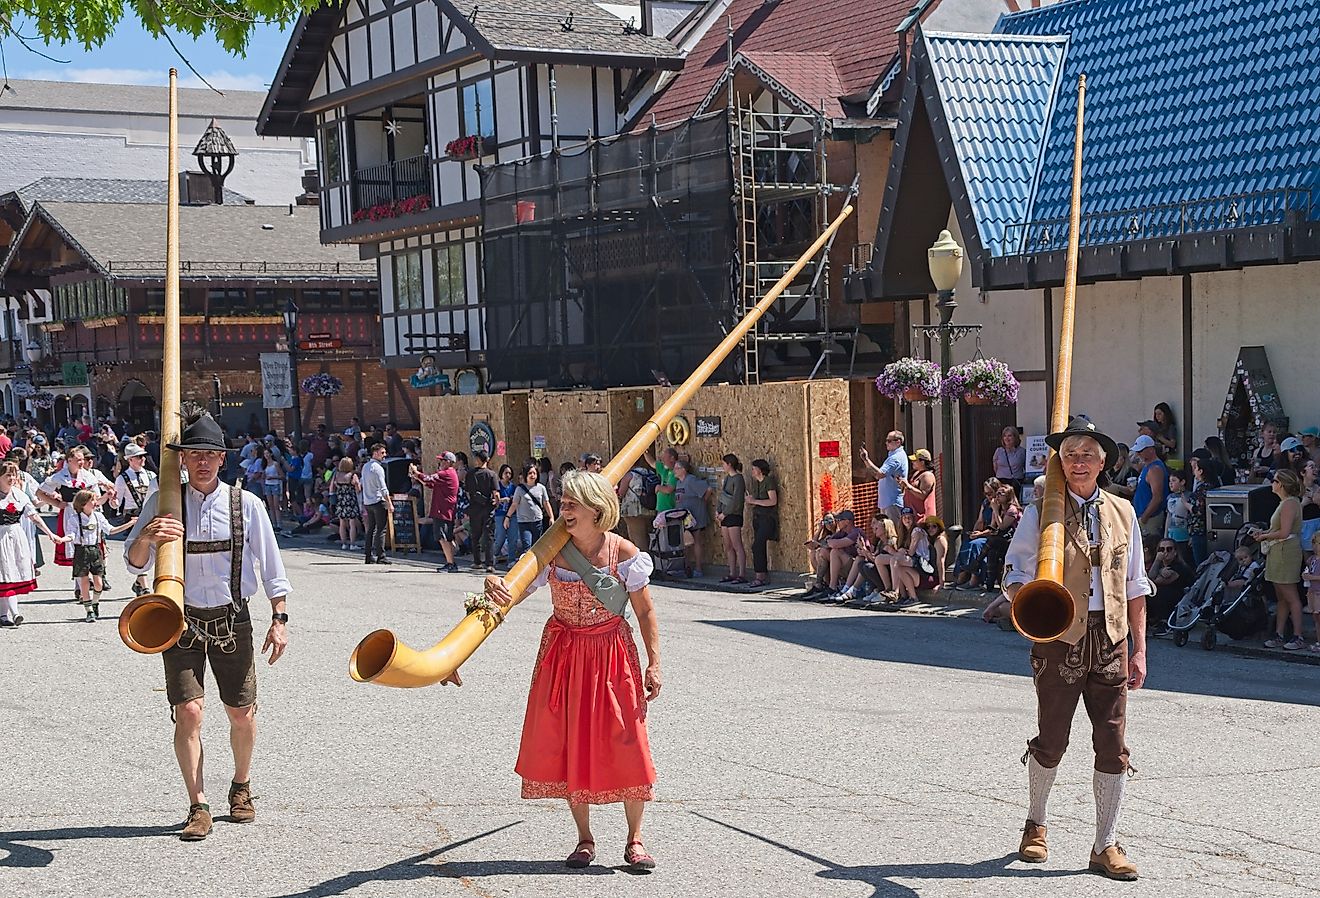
[960, 644]
[18, 855]
[461, 869]
[405, 870]
[880, 876]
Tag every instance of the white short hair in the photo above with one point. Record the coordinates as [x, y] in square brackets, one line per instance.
[1075, 439]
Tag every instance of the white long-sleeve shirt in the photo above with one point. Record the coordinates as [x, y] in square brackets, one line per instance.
[206, 576]
[138, 479]
[1020, 561]
[374, 487]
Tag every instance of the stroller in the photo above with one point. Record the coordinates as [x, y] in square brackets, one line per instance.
[667, 544]
[1239, 612]
[1199, 597]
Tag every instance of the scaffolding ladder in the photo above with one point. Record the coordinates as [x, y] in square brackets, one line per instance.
[771, 146]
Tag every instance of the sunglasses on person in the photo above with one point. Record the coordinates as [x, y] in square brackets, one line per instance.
[1168, 548]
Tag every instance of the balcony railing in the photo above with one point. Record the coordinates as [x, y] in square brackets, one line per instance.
[395, 188]
[1221, 213]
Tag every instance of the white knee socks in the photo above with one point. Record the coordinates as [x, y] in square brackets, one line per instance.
[9, 607]
[1039, 780]
[1108, 800]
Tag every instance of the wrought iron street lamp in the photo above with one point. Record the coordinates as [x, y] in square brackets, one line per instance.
[290, 314]
[945, 259]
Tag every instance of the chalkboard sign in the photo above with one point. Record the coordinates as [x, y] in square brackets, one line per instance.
[404, 533]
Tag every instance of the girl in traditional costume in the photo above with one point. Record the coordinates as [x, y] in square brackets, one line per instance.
[18, 573]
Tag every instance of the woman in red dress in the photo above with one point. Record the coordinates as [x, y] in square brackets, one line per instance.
[584, 735]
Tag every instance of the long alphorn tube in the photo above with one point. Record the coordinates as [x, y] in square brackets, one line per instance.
[154, 622]
[1043, 609]
[382, 659]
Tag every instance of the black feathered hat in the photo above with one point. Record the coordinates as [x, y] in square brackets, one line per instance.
[1081, 426]
[200, 431]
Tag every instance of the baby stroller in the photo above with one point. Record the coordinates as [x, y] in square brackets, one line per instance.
[667, 543]
[1239, 612]
[1197, 600]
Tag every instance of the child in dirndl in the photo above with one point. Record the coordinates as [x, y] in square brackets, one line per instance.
[88, 552]
[18, 573]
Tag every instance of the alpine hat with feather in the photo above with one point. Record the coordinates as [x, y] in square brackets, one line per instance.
[1081, 426]
[200, 431]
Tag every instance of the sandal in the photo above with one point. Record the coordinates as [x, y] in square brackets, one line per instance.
[637, 858]
[582, 855]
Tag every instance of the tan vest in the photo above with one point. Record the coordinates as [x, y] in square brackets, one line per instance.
[1115, 519]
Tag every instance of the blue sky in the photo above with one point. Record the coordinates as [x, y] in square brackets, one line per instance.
[130, 56]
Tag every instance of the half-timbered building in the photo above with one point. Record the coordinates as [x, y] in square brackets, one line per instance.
[406, 98]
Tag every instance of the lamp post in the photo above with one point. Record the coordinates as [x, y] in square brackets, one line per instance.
[945, 259]
[290, 314]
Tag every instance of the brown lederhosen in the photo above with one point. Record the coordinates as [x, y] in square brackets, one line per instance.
[235, 669]
[1096, 671]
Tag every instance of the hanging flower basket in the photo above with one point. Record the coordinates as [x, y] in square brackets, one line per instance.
[981, 382]
[909, 379]
[462, 149]
[322, 385]
[44, 399]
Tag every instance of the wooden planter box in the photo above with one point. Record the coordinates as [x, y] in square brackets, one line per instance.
[247, 319]
[160, 319]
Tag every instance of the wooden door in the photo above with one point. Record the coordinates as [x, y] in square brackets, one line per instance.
[982, 426]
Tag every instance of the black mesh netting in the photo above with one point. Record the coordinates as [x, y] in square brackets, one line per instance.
[612, 261]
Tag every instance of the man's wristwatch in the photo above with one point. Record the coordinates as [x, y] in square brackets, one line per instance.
[280, 617]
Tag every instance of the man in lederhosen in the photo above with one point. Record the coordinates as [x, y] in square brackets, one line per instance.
[225, 530]
[1104, 571]
[132, 487]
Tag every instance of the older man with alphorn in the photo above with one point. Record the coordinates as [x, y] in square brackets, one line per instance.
[1103, 570]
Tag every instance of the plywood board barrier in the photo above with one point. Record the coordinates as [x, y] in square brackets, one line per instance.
[565, 426]
[448, 425]
[804, 429]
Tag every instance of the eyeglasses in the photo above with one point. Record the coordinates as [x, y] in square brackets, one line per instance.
[1167, 548]
[892, 440]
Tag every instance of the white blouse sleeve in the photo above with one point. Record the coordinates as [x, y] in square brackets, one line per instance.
[636, 571]
[541, 580]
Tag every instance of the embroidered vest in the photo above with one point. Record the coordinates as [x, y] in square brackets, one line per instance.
[1115, 532]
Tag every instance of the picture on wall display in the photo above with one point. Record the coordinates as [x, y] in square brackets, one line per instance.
[428, 375]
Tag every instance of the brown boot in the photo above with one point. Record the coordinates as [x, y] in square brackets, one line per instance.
[198, 824]
[240, 804]
[1033, 849]
[1113, 863]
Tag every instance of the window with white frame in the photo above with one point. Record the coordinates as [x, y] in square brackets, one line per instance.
[408, 293]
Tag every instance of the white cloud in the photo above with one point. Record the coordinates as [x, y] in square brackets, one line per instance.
[221, 79]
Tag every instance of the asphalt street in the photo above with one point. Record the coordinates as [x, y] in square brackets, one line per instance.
[801, 750]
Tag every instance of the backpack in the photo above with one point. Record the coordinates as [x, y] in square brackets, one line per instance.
[647, 481]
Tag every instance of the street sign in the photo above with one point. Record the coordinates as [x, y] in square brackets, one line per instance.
[320, 342]
[276, 383]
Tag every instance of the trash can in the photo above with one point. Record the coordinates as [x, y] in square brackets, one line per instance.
[1228, 508]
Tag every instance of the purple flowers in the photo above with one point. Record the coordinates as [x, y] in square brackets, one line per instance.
[322, 385]
[988, 381]
[909, 374]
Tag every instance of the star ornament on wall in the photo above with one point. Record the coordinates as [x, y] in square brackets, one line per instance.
[393, 128]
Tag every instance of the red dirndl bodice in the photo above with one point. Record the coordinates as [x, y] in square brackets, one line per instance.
[584, 734]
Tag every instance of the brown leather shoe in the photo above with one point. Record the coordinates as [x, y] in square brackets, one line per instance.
[1034, 849]
[1113, 863]
[240, 803]
[198, 824]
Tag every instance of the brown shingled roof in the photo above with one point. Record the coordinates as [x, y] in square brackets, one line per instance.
[857, 35]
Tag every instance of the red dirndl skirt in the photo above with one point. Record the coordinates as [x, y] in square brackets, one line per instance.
[63, 551]
[17, 589]
[584, 735]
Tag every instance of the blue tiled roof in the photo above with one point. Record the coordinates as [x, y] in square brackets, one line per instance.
[1209, 106]
[997, 94]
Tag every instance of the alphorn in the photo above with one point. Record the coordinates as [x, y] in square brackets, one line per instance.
[1043, 609]
[382, 659]
[152, 623]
